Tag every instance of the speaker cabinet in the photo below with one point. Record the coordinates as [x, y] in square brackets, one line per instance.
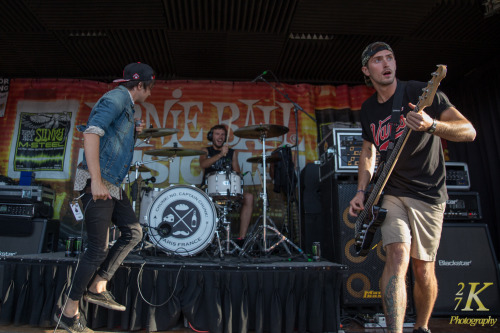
[312, 227]
[467, 272]
[38, 236]
[361, 284]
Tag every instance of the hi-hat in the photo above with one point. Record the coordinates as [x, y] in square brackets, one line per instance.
[258, 131]
[156, 132]
[258, 159]
[142, 168]
[174, 151]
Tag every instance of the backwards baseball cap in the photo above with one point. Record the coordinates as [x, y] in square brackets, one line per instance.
[372, 49]
[137, 71]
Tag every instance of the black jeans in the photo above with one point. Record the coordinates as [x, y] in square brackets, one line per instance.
[97, 257]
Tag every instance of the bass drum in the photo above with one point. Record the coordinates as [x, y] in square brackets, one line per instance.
[182, 220]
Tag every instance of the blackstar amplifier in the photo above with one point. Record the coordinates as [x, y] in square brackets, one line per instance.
[463, 206]
[457, 176]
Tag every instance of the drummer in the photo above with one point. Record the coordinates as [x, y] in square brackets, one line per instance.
[220, 157]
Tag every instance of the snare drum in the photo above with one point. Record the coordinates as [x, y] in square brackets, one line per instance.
[224, 185]
[182, 220]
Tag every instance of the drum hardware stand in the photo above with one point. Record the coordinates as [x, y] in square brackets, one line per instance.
[296, 109]
[226, 225]
[144, 244]
[281, 240]
[135, 188]
[264, 227]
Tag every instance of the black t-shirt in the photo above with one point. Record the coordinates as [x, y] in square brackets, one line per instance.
[420, 171]
[223, 164]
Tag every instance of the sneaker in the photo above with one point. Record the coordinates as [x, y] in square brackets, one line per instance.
[104, 299]
[422, 330]
[72, 325]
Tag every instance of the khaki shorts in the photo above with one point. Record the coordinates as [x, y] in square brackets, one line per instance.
[414, 222]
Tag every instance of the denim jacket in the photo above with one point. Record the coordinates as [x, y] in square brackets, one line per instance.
[114, 113]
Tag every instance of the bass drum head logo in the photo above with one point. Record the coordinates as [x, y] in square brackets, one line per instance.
[182, 220]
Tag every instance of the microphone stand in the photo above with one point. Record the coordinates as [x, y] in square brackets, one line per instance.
[296, 109]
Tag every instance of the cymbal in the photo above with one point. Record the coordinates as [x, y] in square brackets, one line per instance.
[258, 159]
[156, 132]
[142, 168]
[174, 151]
[257, 131]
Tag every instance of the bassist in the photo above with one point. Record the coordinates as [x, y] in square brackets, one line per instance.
[415, 192]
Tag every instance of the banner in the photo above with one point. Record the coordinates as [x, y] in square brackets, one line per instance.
[42, 114]
[41, 139]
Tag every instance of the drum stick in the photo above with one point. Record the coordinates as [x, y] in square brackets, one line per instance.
[229, 129]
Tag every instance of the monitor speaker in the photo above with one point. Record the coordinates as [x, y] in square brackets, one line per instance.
[467, 272]
[40, 235]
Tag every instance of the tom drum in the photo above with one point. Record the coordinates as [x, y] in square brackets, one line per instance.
[224, 185]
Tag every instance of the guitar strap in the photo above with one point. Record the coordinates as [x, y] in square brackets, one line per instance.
[395, 115]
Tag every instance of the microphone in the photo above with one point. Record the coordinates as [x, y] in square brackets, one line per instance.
[260, 76]
[133, 190]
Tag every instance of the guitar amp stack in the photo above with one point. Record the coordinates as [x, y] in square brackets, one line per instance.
[462, 205]
[25, 202]
[339, 152]
[25, 220]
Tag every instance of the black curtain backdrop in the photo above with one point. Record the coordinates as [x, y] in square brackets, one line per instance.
[281, 297]
[477, 96]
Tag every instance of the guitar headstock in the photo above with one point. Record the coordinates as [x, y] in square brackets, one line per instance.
[430, 90]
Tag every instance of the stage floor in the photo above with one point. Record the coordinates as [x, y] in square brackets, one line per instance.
[437, 325]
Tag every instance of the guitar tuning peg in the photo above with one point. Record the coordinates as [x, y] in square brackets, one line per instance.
[434, 74]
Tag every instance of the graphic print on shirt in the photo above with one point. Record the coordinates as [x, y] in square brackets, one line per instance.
[381, 132]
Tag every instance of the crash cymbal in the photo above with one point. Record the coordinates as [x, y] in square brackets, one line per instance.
[142, 168]
[156, 132]
[175, 151]
[257, 131]
[258, 159]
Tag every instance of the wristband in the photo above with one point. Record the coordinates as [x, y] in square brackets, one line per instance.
[432, 129]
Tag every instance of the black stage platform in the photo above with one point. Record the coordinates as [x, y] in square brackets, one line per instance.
[270, 294]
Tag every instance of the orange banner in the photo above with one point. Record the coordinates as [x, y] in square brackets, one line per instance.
[192, 107]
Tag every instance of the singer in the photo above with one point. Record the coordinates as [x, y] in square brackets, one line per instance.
[220, 157]
[108, 145]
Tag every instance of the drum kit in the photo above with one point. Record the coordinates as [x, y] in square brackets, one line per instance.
[184, 219]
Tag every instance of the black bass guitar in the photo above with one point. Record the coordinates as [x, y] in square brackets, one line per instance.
[372, 216]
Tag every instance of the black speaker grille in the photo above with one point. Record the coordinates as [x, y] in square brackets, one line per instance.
[362, 284]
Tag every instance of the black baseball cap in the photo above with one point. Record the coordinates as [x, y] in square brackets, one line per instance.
[137, 71]
[372, 49]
